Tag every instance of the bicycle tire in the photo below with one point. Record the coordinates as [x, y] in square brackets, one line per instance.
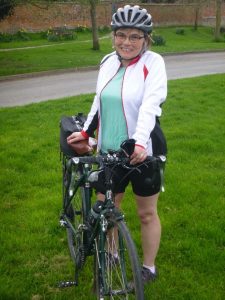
[75, 206]
[117, 278]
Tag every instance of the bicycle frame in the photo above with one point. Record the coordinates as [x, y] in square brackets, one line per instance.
[72, 188]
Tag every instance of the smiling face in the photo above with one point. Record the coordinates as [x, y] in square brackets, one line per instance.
[128, 43]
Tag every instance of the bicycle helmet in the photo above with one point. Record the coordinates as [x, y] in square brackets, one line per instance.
[132, 17]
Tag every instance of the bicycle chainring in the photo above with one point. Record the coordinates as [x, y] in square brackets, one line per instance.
[80, 257]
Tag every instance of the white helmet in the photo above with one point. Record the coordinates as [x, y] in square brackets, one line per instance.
[132, 17]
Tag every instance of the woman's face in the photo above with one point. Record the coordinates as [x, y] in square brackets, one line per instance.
[128, 42]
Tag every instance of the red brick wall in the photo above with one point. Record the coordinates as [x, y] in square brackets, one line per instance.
[32, 18]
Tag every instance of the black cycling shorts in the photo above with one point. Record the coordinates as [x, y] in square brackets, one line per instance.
[145, 181]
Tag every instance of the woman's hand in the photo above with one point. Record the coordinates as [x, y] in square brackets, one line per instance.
[138, 156]
[75, 137]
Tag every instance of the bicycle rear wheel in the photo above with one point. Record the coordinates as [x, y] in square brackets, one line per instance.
[75, 204]
[117, 268]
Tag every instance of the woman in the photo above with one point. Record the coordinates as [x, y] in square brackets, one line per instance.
[131, 87]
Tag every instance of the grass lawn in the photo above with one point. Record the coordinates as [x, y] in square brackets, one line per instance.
[34, 255]
[78, 53]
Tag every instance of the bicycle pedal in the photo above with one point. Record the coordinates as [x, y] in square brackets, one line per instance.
[65, 284]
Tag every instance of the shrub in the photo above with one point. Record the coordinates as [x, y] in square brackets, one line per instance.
[21, 35]
[180, 31]
[44, 34]
[81, 28]
[158, 40]
[104, 29]
[60, 34]
[52, 37]
[4, 37]
[222, 29]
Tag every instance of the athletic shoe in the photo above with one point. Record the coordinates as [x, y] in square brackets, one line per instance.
[147, 275]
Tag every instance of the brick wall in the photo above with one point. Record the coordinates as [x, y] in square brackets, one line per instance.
[32, 18]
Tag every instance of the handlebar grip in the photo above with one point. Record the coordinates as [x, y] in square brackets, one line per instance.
[151, 159]
[160, 158]
[86, 160]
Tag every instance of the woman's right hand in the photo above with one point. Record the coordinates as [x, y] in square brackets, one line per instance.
[75, 137]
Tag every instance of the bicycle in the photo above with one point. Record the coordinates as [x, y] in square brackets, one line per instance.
[115, 277]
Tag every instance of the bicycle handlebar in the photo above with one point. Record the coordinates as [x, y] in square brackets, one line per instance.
[112, 159]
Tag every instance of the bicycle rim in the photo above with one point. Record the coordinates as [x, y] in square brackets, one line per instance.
[120, 277]
[75, 241]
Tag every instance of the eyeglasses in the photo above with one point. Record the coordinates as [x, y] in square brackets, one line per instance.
[133, 38]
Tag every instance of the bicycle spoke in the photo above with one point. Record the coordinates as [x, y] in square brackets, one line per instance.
[118, 276]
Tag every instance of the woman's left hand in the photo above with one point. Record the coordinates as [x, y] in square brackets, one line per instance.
[138, 156]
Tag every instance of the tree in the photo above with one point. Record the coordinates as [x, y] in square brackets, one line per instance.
[96, 45]
[91, 3]
[6, 8]
[218, 20]
[218, 3]
[197, 9]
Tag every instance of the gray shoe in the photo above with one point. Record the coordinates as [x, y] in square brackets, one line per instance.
[147, 275]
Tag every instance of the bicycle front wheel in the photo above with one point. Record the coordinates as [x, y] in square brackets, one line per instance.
[76, 202]
[118, 274]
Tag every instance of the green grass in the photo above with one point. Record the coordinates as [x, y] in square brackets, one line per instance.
[34, 255]
[38, 39]
[78, 53]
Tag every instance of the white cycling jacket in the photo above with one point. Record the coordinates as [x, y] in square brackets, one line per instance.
[144, 89]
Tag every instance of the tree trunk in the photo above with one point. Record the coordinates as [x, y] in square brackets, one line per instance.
[218, 20]
[197, 8]
[96, 45]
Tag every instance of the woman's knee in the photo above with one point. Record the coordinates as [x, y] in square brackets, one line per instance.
[147, 208]
[147, 216]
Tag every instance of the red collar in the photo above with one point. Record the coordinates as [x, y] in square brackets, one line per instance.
[134, 60]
